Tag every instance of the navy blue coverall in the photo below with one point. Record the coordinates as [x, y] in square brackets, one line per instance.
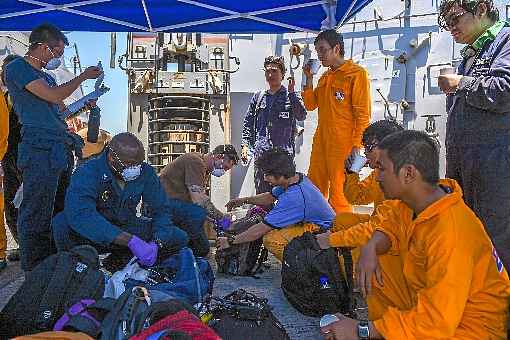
[478, 138]
[97, 210]
[271, 122]
[45, 159]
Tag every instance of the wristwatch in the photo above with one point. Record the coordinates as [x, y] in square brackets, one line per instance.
[363, 330]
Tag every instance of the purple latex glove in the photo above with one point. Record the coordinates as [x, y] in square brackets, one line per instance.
[146, 253]
[224, 223]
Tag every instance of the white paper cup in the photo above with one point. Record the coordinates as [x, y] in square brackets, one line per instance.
[328, 319]
[315, 65]
[358, 163]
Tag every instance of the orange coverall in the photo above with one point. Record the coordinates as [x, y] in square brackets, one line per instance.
[454, 286]
[4, 134]
[351, 229]
[343, 99]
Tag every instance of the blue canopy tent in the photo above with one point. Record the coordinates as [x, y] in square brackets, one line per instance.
[213, 16]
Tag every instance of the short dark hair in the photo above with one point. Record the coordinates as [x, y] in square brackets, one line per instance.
[276, 162]
[379, 130]
[333, 38]
[228, 151]
[46, 33]
[469, 6]
[415, 148]
[278, 61]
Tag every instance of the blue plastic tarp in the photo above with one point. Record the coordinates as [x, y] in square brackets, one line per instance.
[213, 16]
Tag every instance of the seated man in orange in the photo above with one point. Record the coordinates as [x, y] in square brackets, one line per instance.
[351, 229]
[453, 284]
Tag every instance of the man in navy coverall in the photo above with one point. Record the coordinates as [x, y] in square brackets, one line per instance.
[478, 126]
[101, 206]
[45, 153]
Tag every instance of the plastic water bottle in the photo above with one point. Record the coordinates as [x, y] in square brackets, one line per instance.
[327, 320]
[93, 125]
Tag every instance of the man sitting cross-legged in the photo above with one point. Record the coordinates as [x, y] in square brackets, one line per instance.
[299, 205]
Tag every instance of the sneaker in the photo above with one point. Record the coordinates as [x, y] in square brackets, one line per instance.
[3, 264]
[13, 255]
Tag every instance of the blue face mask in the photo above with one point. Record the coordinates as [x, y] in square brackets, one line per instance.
[131, 173]
[218, 172]
[53, 63]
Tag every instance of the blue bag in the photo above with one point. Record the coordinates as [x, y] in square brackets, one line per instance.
[183, 277]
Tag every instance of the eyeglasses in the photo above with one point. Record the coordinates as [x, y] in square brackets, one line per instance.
[122, 164]
[452, 20]
[370, 147]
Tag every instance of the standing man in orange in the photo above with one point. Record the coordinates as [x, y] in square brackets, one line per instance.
[342, 96]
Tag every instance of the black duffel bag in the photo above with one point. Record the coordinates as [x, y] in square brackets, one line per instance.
[242, 315]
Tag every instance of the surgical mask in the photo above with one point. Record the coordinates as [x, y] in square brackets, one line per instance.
[53, 64]
[218, 172]
[131, 173]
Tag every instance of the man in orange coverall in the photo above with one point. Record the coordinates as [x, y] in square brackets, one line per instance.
[343, 98]
[352, 229]
[454, 285]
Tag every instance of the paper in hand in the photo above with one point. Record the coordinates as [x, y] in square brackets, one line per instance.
[99, 90]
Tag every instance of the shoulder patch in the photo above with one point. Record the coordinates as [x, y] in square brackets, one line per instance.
[499, 263]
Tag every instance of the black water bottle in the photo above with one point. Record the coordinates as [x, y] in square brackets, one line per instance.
[93, 125]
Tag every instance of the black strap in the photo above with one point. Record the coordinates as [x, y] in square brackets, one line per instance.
[263, 254]
[260, 95]
[348, 264]
[61, 281]
[80, 323]
[349, 271]
[111, 321]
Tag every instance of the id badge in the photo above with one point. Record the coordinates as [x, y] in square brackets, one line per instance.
[284, 115]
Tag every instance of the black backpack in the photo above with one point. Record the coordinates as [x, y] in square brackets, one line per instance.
[242, 315]
[243, 259]
[138, 308]
[103, 317]
[313, 280]
[50, 289]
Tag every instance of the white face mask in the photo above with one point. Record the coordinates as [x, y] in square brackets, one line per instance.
[131, 173]
[53, 64]
[218, 172]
